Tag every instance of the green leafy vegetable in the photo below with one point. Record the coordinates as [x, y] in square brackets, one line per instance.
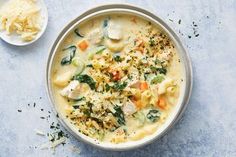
[161, 70]
[105, 23]
[86, 79]
[153, 115]
[157, 61]
[76, 106]
[67, 60]
[157, 79]
[78, 33]
[80, 99]
[96, 50]
[117, 58]
[145, 76]
[87, 111]
[100, 49]
[89, 65]
[107, 87]
[119, 114]
[119, 86]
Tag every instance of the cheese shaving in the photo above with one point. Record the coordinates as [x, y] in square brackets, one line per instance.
[21, 17]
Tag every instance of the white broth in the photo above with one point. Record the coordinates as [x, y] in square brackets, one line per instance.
[117, 78]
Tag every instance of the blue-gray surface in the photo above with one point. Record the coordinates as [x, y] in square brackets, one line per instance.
[208, 127]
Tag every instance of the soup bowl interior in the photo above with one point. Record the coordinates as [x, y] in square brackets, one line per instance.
[185, 89]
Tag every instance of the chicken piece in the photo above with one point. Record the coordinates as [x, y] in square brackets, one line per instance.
[114, 31]
[72, 86]
[80, 91]
[95, 36]
[129, 108]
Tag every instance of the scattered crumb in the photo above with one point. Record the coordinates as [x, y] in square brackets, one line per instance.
[179, 22]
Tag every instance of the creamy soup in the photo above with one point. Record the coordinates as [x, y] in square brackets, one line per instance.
[117, 78]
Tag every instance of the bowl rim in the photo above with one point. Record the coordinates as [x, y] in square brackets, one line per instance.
[165, 27]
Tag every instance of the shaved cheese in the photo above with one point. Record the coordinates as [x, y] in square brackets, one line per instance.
[44, 146]
[38, 132]
[57, 142]
[53, 145]
[21, 17]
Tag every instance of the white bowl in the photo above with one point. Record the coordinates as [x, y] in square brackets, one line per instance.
[15, 39]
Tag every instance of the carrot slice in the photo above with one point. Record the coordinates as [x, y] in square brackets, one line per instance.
[143, 86]
[161, 103]
[116, 75]
[138, 104]
[83, 45]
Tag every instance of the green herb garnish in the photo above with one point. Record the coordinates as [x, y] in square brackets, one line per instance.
[151, 41]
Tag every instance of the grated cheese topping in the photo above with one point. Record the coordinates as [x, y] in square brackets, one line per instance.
[21, 17]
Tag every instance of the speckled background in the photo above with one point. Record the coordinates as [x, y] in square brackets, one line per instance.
[208, 127]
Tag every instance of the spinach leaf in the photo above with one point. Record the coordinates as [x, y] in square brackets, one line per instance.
[89, 65]
[157, 61]
[88, 111]
[117, 58]
[67, 59]
[105, 23]
[119, 114]
[107, 87]
[80, 99]
[161, 70]
[146, 76]
[78, 33]
[119, 86]
[76, 106]
[153, 115]
[86, 79]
